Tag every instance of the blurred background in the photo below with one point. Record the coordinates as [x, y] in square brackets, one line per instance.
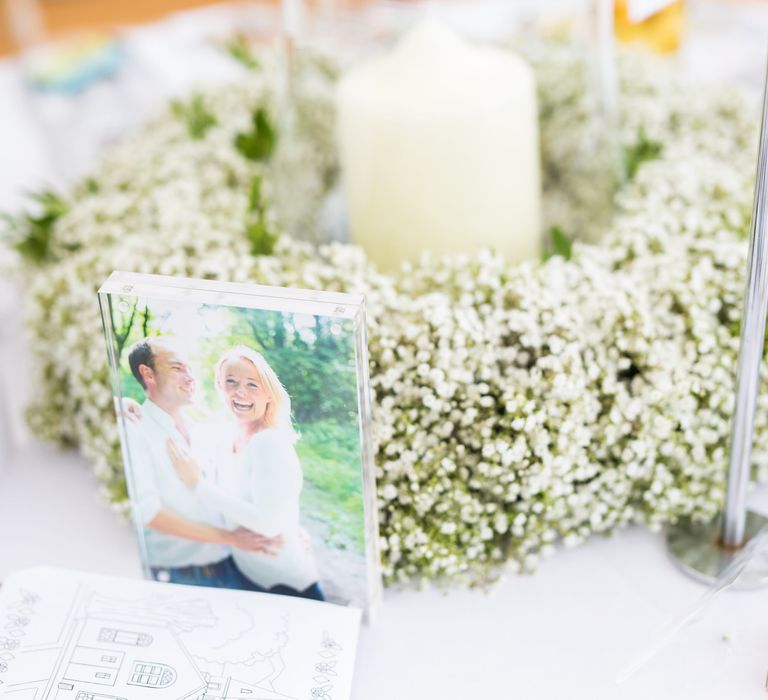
[27, 22]
[77, 75]
[64, 62]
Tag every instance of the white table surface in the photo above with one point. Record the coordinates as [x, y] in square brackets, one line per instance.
[565, 632]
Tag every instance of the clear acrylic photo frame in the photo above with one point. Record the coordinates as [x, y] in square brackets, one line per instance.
[330, 305]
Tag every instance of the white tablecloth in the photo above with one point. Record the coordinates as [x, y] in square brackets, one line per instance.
[565, 632]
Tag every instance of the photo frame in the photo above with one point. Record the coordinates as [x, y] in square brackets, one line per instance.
[244, 414]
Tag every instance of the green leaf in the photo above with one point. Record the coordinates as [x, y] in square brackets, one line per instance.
[255, 201]
[258, 231]
[560, 244]
[239, 49]
[644, 150]
[259, 143]
[195, 116]
[31, 233]
[52, 205]
[261, 237]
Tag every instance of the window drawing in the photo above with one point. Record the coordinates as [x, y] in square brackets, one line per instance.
[150, 675]
[91, 665]
[133, 639]
[83, 673]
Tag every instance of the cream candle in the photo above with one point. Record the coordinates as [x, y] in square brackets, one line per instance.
[439, 150]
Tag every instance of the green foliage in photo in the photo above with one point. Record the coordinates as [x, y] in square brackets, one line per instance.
[330, 456]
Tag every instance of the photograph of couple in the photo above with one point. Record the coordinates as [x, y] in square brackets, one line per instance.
[235, 481]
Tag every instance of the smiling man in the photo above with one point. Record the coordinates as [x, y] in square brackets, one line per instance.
[185, 541]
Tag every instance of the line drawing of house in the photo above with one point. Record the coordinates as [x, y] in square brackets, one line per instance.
[219, 688]
[127, 650]
[136, 658]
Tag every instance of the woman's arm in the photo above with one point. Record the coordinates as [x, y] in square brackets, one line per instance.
[271, 505]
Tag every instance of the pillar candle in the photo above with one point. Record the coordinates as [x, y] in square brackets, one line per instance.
[439, 150]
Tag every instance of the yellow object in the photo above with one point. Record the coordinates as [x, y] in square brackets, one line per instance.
[661, 31]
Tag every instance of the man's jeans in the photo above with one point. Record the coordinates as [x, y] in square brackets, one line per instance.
[222, 574]
[313, 592]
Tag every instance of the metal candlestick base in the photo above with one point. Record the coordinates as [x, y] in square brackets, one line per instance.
[696, 549]
[710, 552]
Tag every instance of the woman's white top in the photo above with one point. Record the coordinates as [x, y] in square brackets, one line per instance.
[259, 488]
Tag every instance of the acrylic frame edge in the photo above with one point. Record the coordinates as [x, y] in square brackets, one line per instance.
[131, 280]
[370, 499]
[233, 293]
[105, 306]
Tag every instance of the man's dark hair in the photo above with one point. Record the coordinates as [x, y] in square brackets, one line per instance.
[141, 354]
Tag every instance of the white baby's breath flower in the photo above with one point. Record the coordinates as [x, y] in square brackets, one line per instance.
[514, 405]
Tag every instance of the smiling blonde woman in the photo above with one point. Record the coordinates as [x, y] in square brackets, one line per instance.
[258, 478]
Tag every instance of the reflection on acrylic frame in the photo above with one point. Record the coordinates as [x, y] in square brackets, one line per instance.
[244, 416]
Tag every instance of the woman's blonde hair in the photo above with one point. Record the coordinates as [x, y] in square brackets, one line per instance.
[278, 412]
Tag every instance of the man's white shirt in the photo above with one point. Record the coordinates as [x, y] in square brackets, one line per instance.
[155, 486]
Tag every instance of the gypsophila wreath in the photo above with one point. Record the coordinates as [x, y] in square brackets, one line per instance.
[515, 406]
